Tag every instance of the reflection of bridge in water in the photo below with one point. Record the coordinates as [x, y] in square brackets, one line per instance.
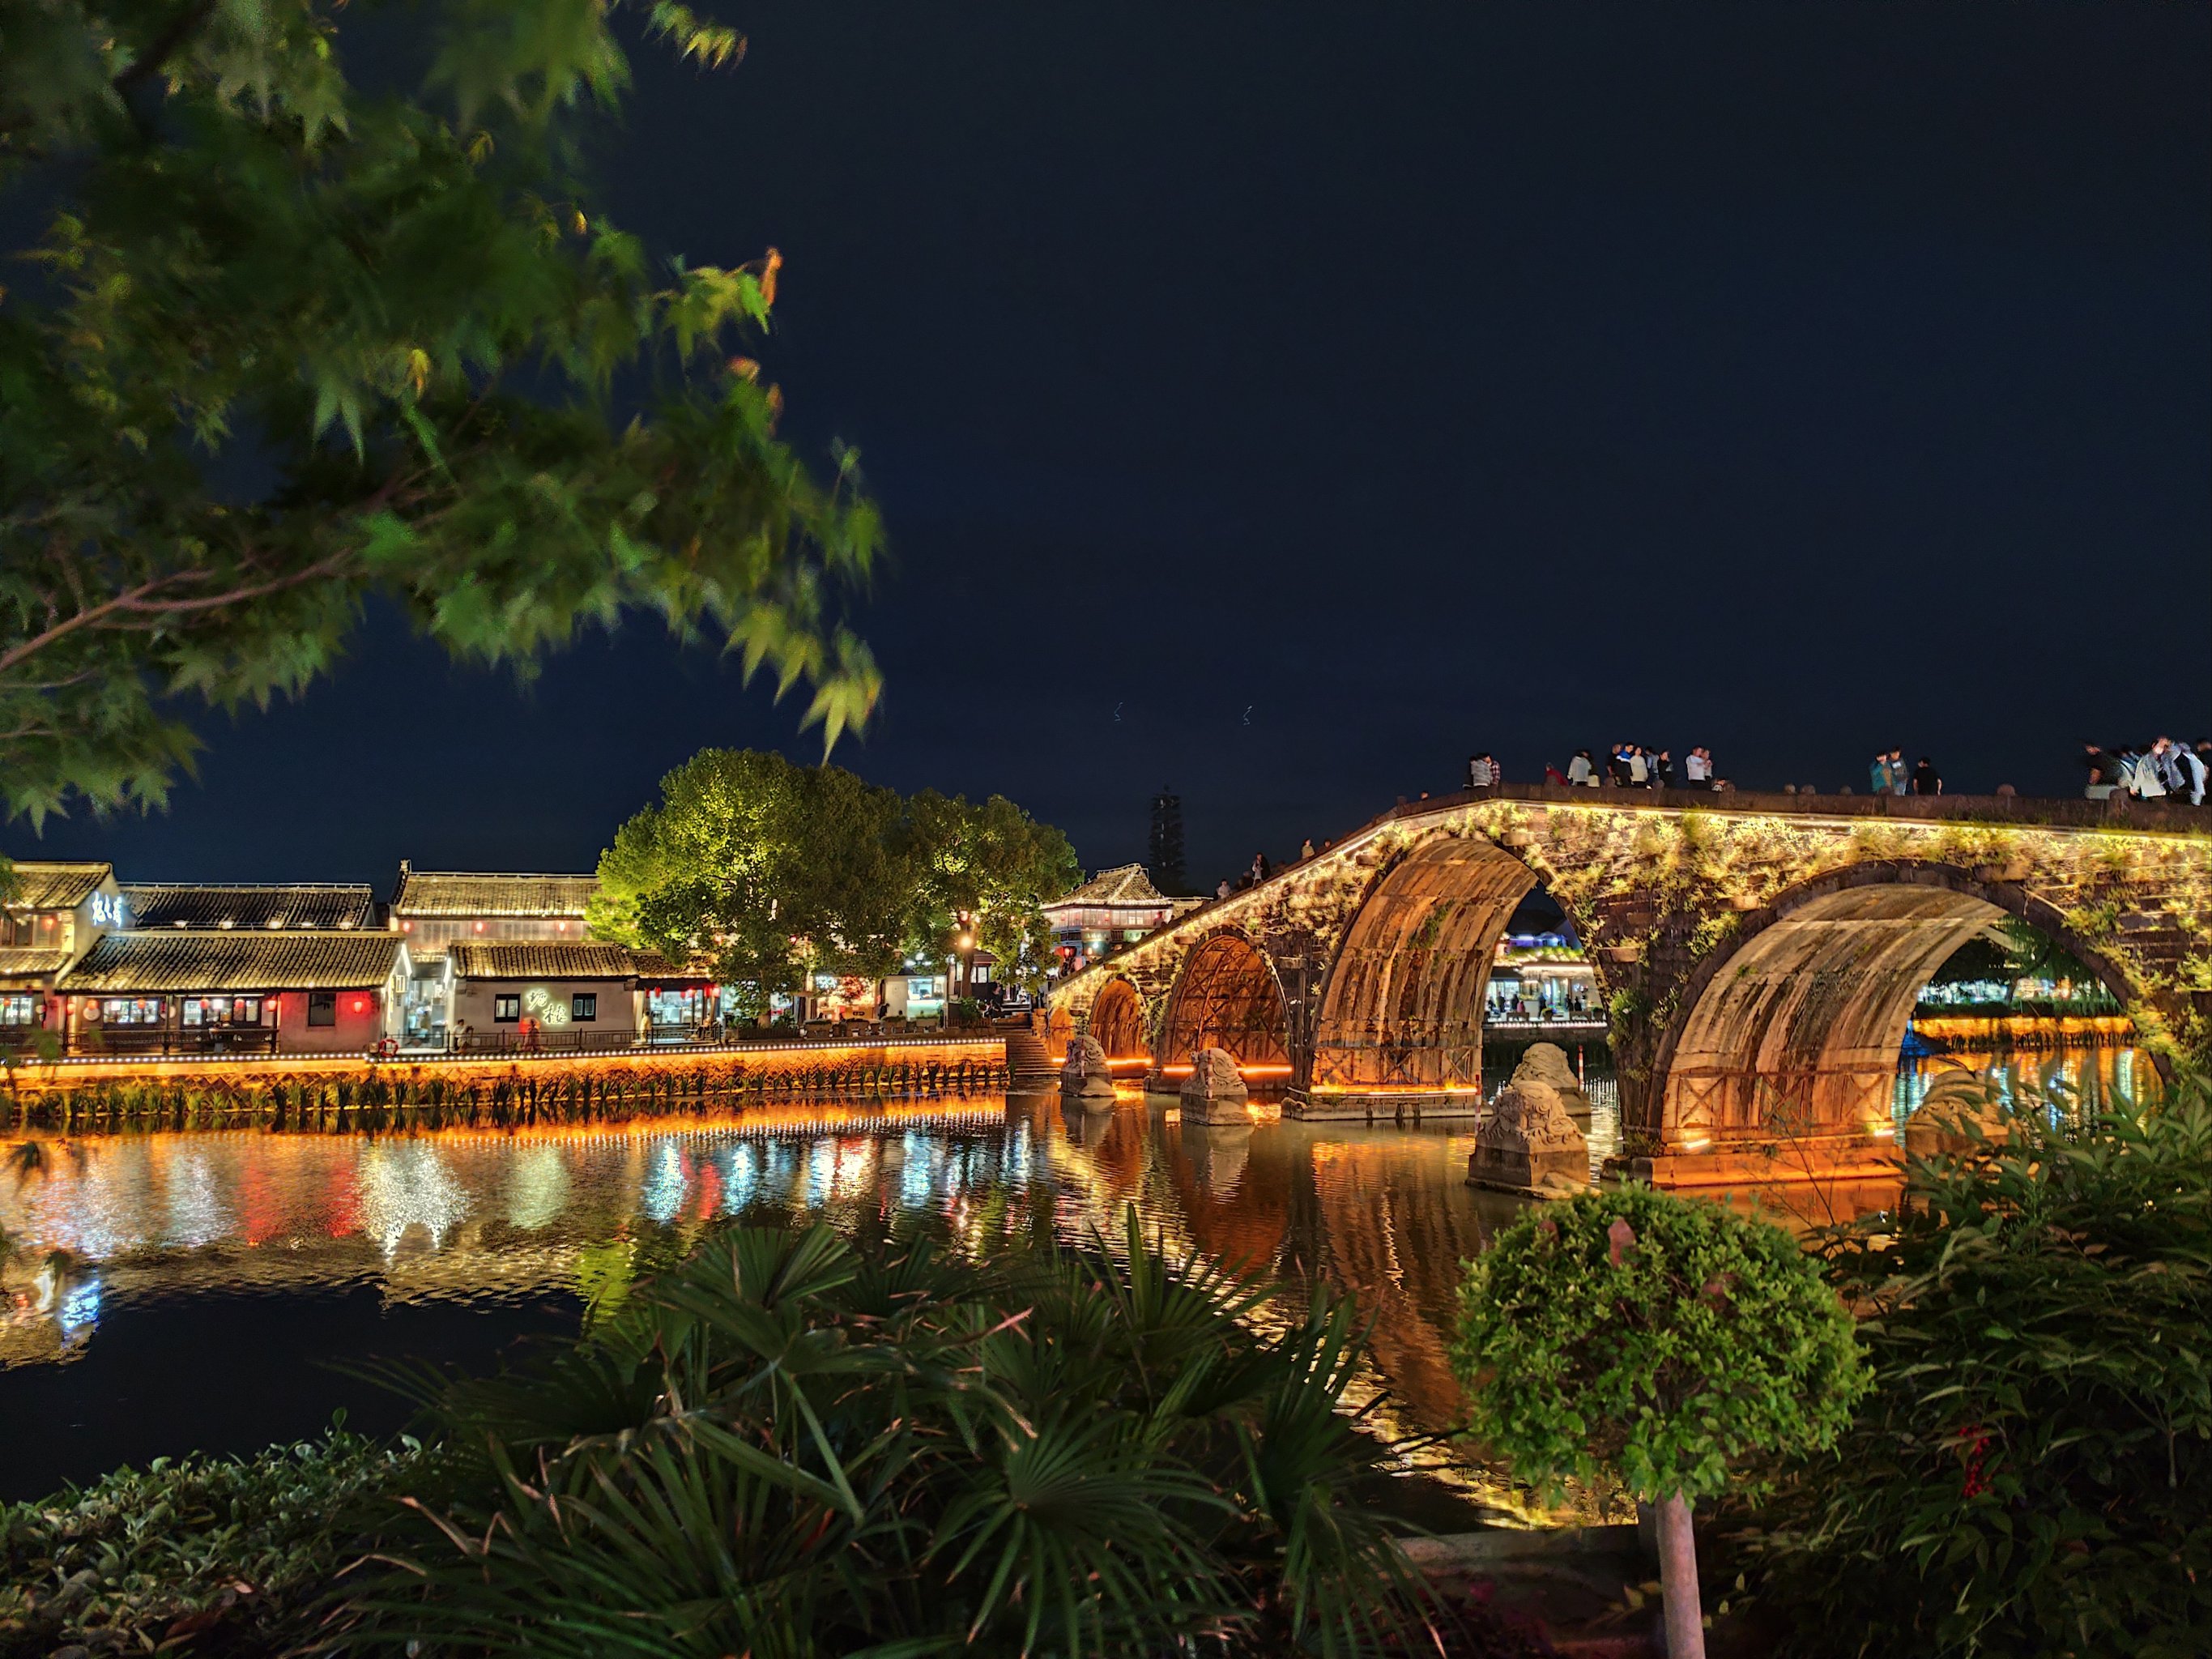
[1759, 956]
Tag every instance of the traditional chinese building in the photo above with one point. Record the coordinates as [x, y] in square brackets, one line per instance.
[54, 914]
[266, 990]
[434, 910]
[586, 993]
[1115, 907]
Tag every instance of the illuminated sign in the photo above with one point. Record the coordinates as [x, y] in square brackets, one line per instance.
[106, 910]
[542, 1006]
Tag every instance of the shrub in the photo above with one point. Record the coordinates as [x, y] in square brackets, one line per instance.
[1655, 1340]
[216, 1554]
[2032, 1473]
[789, 1446]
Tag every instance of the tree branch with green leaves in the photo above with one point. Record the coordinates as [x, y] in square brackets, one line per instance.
[288, 342]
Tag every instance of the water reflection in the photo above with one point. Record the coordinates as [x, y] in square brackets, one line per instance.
[111, 1224]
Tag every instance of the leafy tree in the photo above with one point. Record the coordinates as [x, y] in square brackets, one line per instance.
[983, 871]
[2030, 1475]
[777, 871]
[1656, 1341]
[287, 339]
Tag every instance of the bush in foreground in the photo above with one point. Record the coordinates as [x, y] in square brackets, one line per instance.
[1655, 1341]
[206, 1555]
[2033, 1474]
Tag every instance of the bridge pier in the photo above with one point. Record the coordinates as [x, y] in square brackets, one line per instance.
[1351, 1103]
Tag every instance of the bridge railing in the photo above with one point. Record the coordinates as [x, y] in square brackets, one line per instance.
[2069, 811]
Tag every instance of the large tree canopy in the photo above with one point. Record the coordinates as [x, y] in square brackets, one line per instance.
[774, 870]
[983, 869]
[777, 871]
[285, 339]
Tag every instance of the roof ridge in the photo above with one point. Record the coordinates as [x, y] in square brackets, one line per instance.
[513, 874]
[265, 886]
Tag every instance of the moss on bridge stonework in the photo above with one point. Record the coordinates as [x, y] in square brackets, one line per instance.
[1661, 894]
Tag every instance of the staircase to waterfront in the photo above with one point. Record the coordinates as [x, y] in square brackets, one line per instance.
[1028, 1060]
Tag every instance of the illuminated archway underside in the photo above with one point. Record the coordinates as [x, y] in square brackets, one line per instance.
[1117, 1020]
[1798, 1031]
[1226, 997]
[1405, 1000]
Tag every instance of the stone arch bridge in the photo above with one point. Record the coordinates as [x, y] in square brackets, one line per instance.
[1760, 955]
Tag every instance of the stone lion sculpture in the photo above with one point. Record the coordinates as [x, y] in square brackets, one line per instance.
[1546, 1063]
[1085, 1072]
[1214, 1092]
[1526, 1143]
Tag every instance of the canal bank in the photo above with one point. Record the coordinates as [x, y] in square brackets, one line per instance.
[361, 1093]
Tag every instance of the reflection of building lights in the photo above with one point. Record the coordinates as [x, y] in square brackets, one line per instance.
[539, 1189]
[916, 1175]
[80, 1304]
[197, 1214]
[408, 1186]
[664, 1184]
[741, 1178]
[821, 1172]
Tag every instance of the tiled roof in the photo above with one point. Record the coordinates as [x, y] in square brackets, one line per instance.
[236, 960]
[56, 887]
[554, 959]
[250, 905]
[1126, 883]
[467, 893]
[25, 961]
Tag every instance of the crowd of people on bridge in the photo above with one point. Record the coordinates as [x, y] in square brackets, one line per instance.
[2161, 770]
[1625, 766]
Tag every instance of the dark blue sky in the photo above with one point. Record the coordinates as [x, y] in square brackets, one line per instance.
[1331, 393]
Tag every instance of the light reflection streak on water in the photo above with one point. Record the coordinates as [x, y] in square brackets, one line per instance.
[196, 1211]
[406, 1185]
[740, 1176]
[539, 1191]
[665, 1185]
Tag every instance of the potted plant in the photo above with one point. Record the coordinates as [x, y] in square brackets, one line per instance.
[1655, 1340]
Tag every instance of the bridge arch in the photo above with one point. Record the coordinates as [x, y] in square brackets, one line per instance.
[1117, 1021]
[1404, 1002]
[1226, 995]
[1795, 1022]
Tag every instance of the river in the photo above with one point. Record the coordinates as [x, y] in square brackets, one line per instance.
[169, 1293]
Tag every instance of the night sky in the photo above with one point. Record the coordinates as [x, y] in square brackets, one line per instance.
[1279, 402]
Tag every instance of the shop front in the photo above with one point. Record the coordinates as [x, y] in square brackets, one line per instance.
[225, 992]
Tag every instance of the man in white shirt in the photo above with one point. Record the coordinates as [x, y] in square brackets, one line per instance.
[1697, 768]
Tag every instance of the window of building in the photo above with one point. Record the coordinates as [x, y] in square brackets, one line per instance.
[15, 928]
[507, 1009]
[131, 1011]
[322, 1008]
[667, 1008]
[223, 1011]
[16, 1008]
[585, 1005]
